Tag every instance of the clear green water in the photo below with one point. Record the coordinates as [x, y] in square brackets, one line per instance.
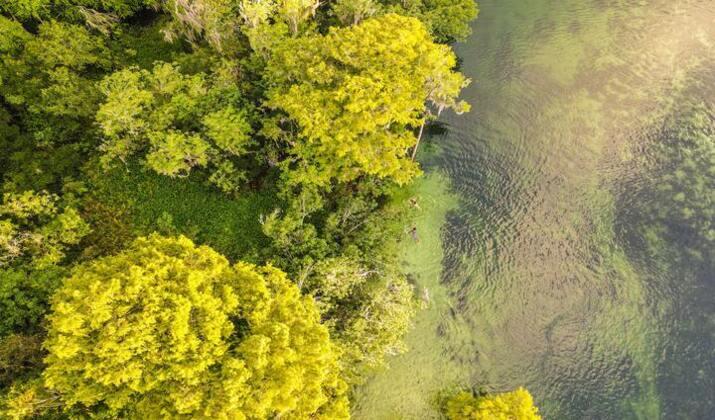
[554, 253]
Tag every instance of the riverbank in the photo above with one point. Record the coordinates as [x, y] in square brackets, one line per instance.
[407, 387]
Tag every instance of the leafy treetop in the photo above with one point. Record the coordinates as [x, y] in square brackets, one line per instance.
[356, 94]
[166, 328]
[72, 9]
[49, 98]
[515, 405]
[178, 121]
[34, 229]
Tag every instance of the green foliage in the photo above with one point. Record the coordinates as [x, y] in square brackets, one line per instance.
[24, 297]
[345, 256]
[143, 45]
[71, 9]
[356, 95]
[134, 202]
[20, 358]
[352, 12]
[47, 86]
[296, 13]
[121, 8]
[26, 9]
[229, 129]
[34, 229]
[447, 20]
[179, 122]
[166, 328]
[515, 405]
[218, 21]
[307, 232]
[30, 399]
[368, 311]
[46, 74]
[371, 320]
[214, 21]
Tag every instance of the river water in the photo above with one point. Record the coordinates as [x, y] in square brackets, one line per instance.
[568, 224]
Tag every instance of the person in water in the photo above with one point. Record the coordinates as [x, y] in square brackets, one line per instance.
[413, 232]
[414, 203]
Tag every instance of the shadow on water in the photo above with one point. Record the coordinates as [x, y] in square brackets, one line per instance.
[563, 264]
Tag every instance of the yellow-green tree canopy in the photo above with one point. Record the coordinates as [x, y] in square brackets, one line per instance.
[447, 20]
[49, 99]
[178, 121]
[168, 329]
[515, 405]
[71, 9]
[368, 312]
[218, 21]
[35, 228]
[356, 95]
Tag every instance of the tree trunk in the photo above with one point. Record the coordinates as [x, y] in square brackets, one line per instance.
[419, 137]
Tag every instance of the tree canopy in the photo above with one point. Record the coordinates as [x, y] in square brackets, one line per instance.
[33, 229]
[514, 405]
[178, 121]
[167, 328]
[357, 93]
[49, 99]
[447, 20]
[72, 9]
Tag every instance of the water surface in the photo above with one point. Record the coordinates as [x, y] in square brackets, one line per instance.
[570, 217]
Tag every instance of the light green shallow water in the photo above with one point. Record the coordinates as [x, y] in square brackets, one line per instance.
[554, 254]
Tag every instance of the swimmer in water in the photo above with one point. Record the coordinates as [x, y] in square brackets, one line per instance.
[413, 203]
[413, 232]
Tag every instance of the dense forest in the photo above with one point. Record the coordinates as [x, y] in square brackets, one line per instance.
[203, 202]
